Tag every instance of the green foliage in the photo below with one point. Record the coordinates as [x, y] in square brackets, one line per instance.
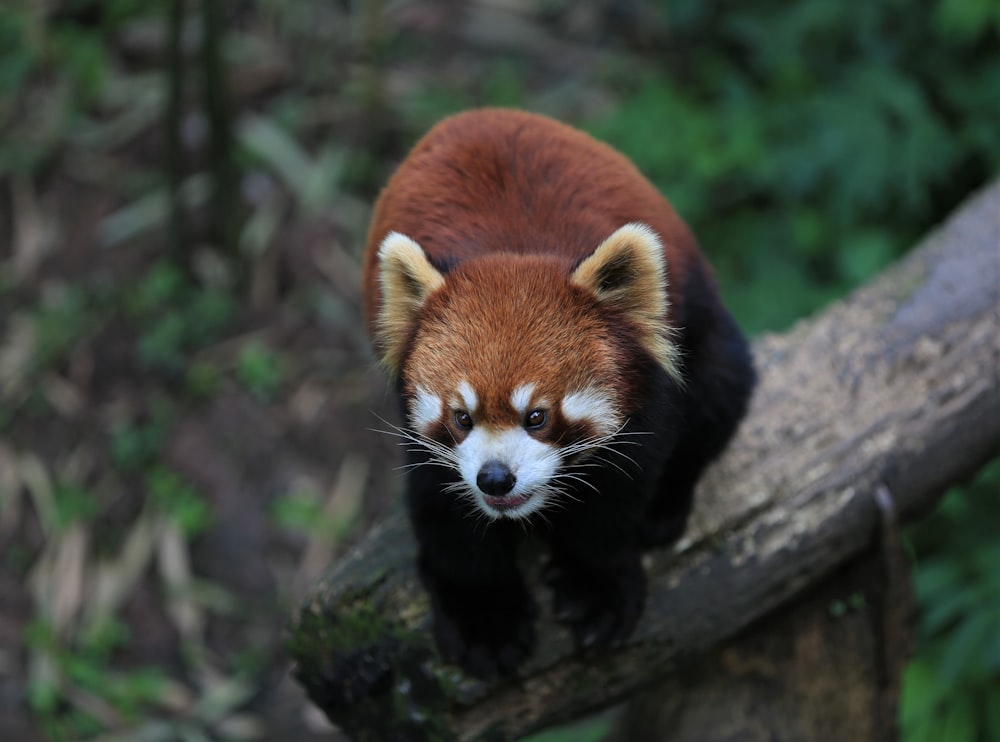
[179, 499]
[303, 512]
[74, 504]
[137, 447]
[297, 511]
[591, 730]
[19, 57]
[261, 369]
[951, 689]
[313, 179]
[61, 321]
[69, 50]
[202, 379]
[807, 145]
[176, 317]
[83, 664]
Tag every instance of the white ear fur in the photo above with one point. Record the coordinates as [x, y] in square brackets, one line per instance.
[629, 271]
[406, 277]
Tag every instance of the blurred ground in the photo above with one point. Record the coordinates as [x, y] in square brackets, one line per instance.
[181, 454]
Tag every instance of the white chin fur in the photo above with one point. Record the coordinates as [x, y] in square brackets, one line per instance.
[533, 464]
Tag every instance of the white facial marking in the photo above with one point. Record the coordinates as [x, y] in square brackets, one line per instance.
[468, 395]
[425, 409]
[520, 398]
[532, 463]
[593, 406]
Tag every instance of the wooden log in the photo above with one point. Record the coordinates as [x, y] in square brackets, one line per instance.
[824, 667]
[896, 388]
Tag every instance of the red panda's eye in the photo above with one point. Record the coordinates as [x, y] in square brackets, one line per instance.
[463, 419]
[536, 419]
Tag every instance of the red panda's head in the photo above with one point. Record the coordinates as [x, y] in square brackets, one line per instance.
[515, 366]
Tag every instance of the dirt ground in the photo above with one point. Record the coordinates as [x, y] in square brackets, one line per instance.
[239, 452]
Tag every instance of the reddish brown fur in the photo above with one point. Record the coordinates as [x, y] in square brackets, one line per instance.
[497, 180]
[507, 183]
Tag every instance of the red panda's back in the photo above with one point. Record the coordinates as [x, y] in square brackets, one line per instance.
[495, 180]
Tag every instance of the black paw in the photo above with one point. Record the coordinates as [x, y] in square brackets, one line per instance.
[601, 607]
[487, 632]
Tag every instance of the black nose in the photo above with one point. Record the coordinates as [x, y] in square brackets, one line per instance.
[495, 479]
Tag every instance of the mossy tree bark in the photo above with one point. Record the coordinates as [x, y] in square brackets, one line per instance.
[891, 394]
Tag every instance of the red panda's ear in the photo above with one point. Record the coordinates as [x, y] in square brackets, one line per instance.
[406, 277]
[629, 271]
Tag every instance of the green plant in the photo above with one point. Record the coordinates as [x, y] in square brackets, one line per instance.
[806, 147]
[65, 52]
[298, 511]
[951, 689]
[589, 730]
[74, 504]
[179, 499]
[79, 667]
[303, 513]
[136, 447]
[62, 320]
[203, 378]
[261, 369]
[175, 317]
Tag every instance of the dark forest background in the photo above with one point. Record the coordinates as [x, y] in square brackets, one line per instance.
[186, 390]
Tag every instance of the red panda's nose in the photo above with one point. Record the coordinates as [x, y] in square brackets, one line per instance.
[495, 478]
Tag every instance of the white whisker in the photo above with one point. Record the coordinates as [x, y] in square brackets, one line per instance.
[416, 443]
[568, 481]
[575, 478]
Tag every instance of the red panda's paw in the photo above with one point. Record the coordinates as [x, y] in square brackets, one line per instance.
[600, 606]
[487, 632]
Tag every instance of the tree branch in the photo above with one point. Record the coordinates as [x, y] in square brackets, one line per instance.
[896, 387]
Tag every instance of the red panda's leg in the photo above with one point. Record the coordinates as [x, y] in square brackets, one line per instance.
[596, 575]
[599, 603]
[483, 615]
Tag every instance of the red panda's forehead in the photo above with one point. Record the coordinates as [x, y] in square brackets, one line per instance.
[510, 334]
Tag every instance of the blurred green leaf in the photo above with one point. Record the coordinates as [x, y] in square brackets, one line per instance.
[275, 147]
[203, 378]
[959, 722]
[590, 730]
[261, 369]
[966, 20]
[150, 211]
[922, 693]
[179, 500]
[991, 717]
[297, 511]
[74, 504]
[967, 645]
[62, 321]
[945, 607]
[951, 684]
[135, 447]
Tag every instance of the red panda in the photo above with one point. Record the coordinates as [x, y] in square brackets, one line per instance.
[565, 366]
